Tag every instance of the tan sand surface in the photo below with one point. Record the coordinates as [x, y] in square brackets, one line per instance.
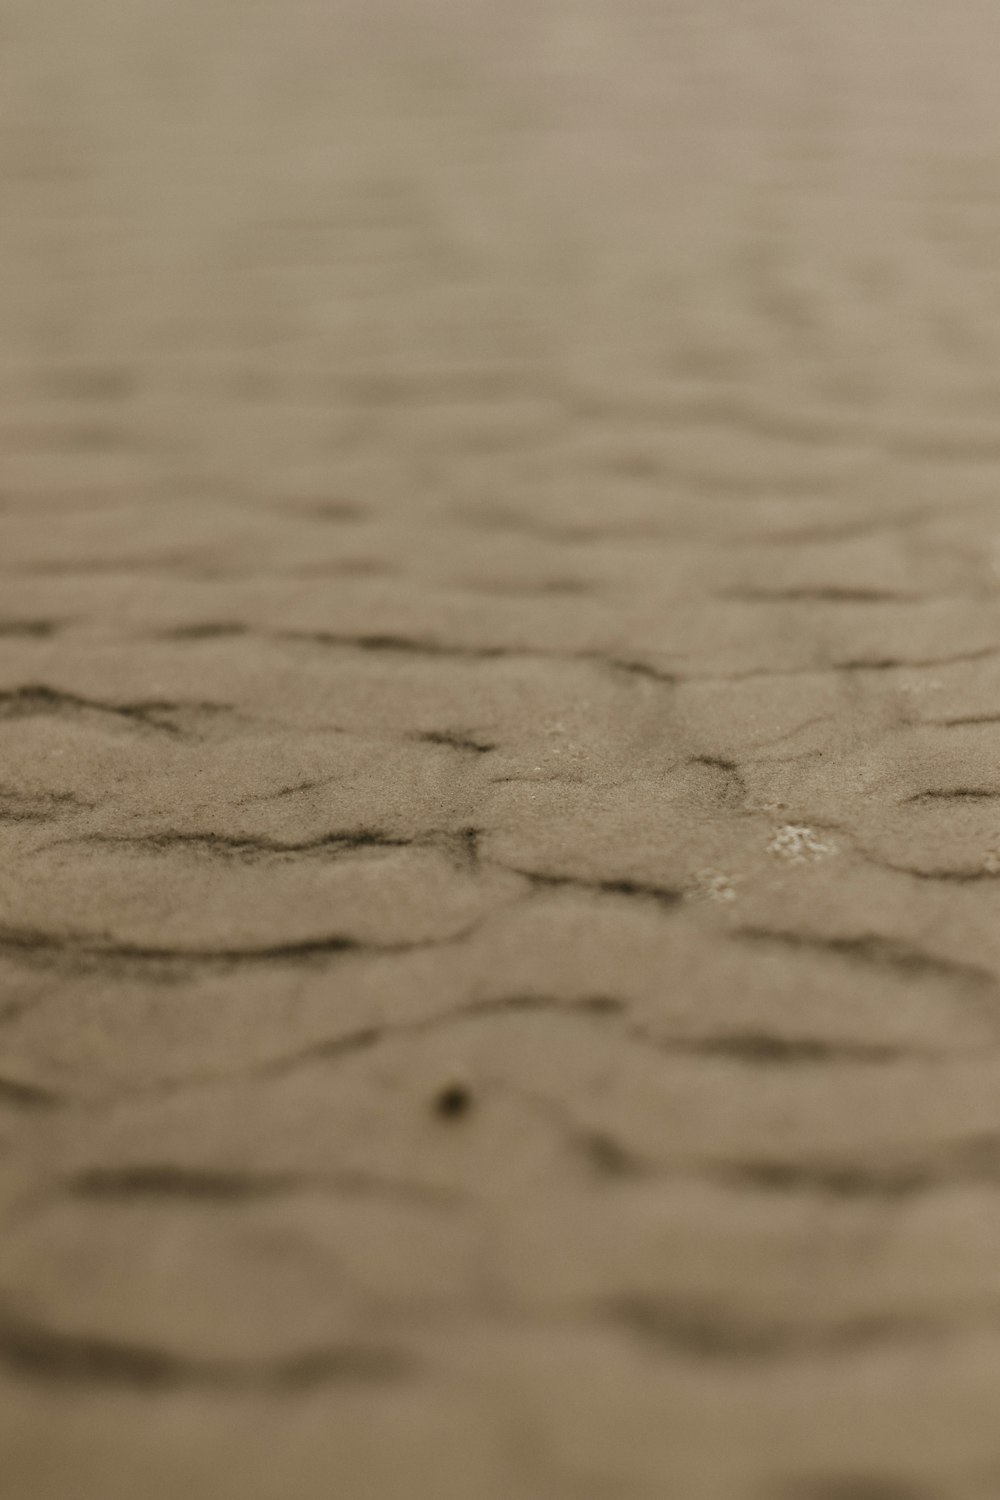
[499, 723]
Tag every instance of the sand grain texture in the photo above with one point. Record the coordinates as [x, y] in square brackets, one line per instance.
[499, 705]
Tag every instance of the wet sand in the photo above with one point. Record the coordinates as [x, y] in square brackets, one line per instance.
[499, 795]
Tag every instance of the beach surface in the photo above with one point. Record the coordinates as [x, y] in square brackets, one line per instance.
[499, 712]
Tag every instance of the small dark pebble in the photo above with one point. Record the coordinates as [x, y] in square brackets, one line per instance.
[453, 1101]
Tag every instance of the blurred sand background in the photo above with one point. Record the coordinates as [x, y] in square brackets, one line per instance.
[499, 706]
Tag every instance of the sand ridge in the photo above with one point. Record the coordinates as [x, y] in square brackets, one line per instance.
[499, 808]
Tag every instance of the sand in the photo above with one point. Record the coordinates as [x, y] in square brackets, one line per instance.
[499, 795]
